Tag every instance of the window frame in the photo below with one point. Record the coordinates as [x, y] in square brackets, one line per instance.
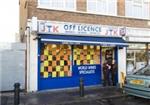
[100, 13]
[59, 9]
[136, 4]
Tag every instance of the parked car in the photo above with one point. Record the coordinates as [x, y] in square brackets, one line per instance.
[138, 84]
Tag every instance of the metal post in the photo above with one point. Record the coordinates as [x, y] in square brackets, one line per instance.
[81, 87]
[16, 93]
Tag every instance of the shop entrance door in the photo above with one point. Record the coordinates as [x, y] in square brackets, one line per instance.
[108, 55]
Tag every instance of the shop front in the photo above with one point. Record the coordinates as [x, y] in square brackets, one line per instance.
[70, 51]
[62, 65]
[138, 51]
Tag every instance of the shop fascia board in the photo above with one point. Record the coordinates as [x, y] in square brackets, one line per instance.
[137, 32]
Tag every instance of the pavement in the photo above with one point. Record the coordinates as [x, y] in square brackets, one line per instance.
[97, 95]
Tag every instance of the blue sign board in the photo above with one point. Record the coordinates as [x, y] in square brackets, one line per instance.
[87, 69]
[91, 75]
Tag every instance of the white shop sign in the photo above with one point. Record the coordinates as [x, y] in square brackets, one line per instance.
[137, 32]
[66, 28]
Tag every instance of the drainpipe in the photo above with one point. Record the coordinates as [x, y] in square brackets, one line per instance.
[28, 58]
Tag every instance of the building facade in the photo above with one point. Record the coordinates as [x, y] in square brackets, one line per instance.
[71, 39]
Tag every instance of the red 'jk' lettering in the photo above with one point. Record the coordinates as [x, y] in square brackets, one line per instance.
[55, 29]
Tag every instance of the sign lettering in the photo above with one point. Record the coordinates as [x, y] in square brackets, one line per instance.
[52, 27]
[86, 69]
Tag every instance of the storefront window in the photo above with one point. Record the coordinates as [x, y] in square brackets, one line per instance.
[136, 57]
[149, 46]
[55, 61]
[86, 55]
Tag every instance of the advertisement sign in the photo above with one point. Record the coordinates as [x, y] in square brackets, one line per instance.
[83, 70]
[66, 28]
[91, 74]
[86, 69]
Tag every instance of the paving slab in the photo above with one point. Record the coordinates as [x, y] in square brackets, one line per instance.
[64, 97]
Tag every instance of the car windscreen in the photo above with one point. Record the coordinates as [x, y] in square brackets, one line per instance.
[144, 71]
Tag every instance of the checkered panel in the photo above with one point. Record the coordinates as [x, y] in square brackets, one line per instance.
[55, 61]
[86, 55]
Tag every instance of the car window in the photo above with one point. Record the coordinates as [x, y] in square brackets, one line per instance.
[144, 71]
[147, 72]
